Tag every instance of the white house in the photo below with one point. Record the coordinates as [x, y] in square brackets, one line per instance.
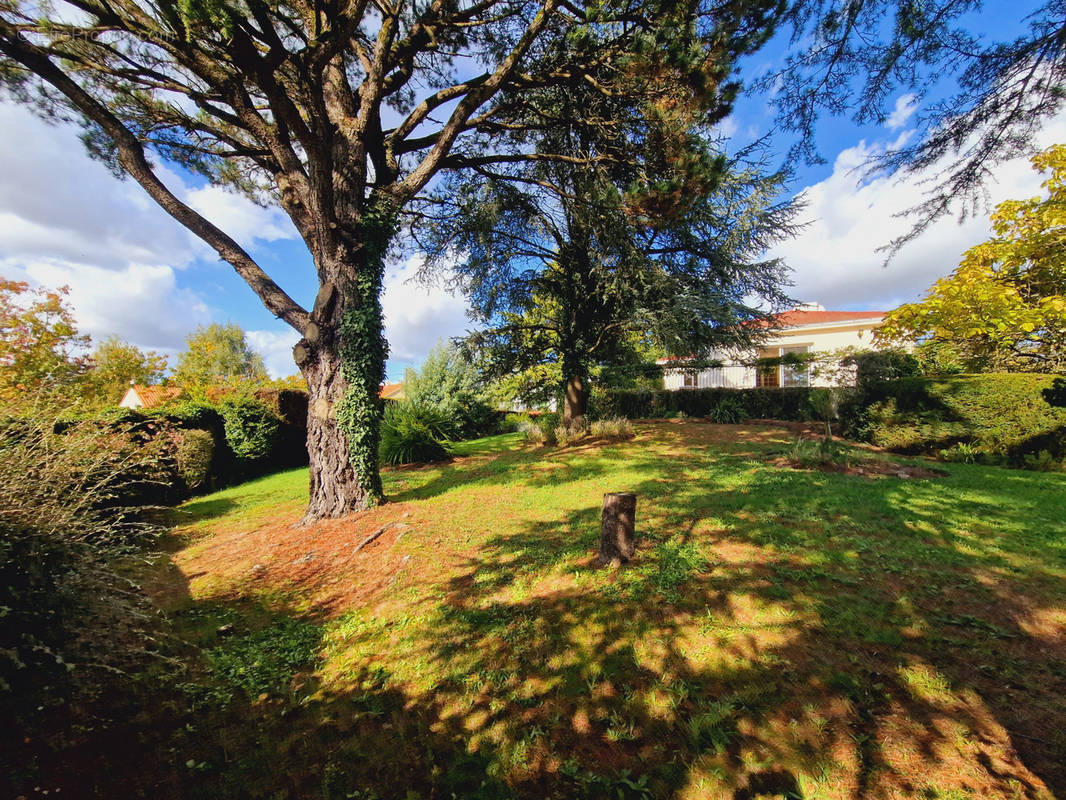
[806, 329]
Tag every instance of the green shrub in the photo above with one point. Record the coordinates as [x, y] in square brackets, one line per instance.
[251, 428]
[820, 452]
[476, 418]
[874, 366]
[65, 491]
[513, 421]
[961, 453]
[790, 403]
[413, 433]
[194, 453]
[617, 428]
[999, 417]
[728, 411]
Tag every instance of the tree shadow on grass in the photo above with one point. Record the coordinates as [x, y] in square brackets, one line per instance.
[781, 633]
[884, 650]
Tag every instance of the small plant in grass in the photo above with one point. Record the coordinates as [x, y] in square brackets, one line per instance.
[714, 727]
[1043, 462]
[414, 433]
[615, 428]
[961, 453]
[728, 411]
[820, 452]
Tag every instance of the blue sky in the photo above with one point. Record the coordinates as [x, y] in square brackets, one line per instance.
[136, 273]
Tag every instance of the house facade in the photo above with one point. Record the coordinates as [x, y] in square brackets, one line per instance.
[806, 330]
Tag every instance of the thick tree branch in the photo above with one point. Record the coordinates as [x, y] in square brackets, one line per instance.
[132, 157]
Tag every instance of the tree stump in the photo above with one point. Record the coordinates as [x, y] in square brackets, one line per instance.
[617, 541]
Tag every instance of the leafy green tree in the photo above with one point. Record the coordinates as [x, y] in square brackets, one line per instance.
[117, 364]
[1004, 306]
[570, 272]
[861, 58]
[40, 347]
[343, 113]
[449, 381]
[218, 355]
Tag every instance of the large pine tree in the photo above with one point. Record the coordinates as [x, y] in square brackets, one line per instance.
[342, 112]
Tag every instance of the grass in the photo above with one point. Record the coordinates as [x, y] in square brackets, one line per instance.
[782, 632]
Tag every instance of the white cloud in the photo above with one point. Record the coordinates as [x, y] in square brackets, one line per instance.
[276, 349]
[835, 260]
[66, 220]
[417, 315]
[240, 217]
[906, 105]
[140, 303]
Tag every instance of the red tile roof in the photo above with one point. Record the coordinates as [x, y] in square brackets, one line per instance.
[798, 316]
[392, 391]
[152, 396]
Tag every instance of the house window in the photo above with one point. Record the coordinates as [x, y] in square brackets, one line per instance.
[795, 375]
[689, 379]
[767, 376]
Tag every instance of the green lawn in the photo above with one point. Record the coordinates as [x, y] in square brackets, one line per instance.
[781, 633]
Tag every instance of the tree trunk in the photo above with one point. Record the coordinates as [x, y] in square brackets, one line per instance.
[335, 489]
[342, 358]
[575, 402]
[617, 538]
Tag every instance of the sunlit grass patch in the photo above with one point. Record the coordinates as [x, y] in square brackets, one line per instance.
[779, 633]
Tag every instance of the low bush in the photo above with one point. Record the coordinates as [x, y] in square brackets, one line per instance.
[820, 452]
[194, 454]
[991, 418]
[617, 428]
[728, 411]
[790, 403]
[65, 617]
[514, 421]
[251, 428]
[414, 433]
[875, 366]
[539, 433]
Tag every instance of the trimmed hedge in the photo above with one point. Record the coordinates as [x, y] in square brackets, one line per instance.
[211, 447]
[996, 418]
[792, 403]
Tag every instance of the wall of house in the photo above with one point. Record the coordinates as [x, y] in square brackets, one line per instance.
[858, 336]
[825, 340]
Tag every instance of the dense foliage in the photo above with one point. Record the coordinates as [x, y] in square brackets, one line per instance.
[999, 418]
[412, 432]
[1004, 306]
[792, 403]
[217, 355]
[251, 429]
[450, 382]
[568, 272]
[68, 505]
[874, 366]
[115, 365]
[39, 342]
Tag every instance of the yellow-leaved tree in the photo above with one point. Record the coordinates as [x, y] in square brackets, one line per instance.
[1004, 306]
